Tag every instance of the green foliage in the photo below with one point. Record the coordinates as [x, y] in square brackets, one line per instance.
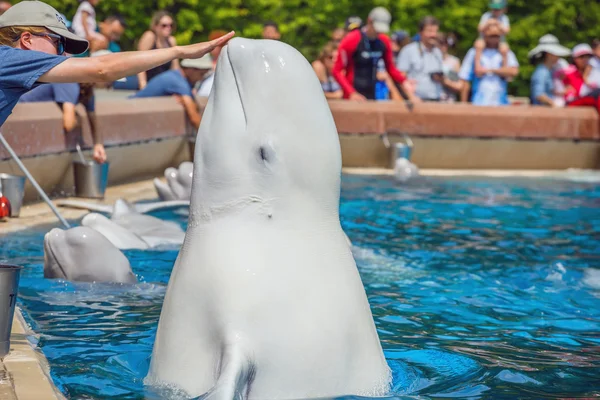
[307, 24]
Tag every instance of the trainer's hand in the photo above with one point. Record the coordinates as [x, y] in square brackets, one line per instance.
[200, 49]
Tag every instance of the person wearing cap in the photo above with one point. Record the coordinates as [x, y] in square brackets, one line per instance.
[497, 13]
[359, 56]
[490, 81]
[581, 90]
[353, 22]
[422, 61]
[179, 83]
[34, 39]
[546, 54]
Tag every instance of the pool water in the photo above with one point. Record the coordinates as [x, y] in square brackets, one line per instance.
[479, 289]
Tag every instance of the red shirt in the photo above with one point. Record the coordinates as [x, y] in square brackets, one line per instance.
[345, 61]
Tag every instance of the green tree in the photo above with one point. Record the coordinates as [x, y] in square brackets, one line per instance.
[307, 24]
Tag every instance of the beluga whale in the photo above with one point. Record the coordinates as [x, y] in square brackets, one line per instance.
[82, 254]
[179, 183]
[265, 300]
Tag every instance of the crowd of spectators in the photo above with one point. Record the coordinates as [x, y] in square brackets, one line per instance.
[364, 60]
[429, 71]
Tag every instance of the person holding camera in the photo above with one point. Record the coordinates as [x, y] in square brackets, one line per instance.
[422, 62]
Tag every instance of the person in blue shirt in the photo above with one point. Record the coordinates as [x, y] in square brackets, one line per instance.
[67, 96]
[546, 54]
[179, 83]
[489, 81]
[33, 39]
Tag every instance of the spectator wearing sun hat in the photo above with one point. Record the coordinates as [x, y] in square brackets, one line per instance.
[546, 55]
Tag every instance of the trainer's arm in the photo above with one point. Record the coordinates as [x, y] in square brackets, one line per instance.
[111, 67]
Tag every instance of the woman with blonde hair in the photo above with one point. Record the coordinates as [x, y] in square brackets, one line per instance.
[323, 67]
[34, 25]
[159, 36]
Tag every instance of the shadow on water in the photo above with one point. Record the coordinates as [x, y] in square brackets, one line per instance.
[479, 289]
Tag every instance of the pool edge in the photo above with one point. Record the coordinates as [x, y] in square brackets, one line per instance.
[37, 214]
[26, 367]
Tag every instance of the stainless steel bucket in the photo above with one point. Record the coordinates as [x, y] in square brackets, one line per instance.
[13, 187]
[91, 179]
[399, 149]
[9, 287]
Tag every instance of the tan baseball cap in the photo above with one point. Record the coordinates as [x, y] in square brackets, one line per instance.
[381, 18]
[37, 13]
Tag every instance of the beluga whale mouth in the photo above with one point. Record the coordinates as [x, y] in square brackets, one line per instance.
[265, 299]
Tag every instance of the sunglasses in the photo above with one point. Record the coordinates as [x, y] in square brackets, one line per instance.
[58, 41]
[166, 25]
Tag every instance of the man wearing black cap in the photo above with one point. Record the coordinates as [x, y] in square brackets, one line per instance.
[33, 39]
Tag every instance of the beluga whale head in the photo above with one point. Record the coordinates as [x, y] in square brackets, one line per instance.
[267, 137]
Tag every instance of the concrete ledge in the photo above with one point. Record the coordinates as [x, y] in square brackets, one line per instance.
[25, 370]
[368, 151]
[36, 128]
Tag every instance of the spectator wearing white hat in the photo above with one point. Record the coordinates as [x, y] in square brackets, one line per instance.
[34, 25]
[546, 54]
[179, 83]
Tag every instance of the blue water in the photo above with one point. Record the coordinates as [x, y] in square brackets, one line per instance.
[479, 289]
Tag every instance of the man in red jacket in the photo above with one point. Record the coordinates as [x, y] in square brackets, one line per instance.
[360, 54]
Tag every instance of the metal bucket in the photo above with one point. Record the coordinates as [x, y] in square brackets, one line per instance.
[398, 150]
[9, 287]
[13, 187]
[91, 179]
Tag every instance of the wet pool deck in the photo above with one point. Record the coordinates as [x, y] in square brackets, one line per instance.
[24, 373]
